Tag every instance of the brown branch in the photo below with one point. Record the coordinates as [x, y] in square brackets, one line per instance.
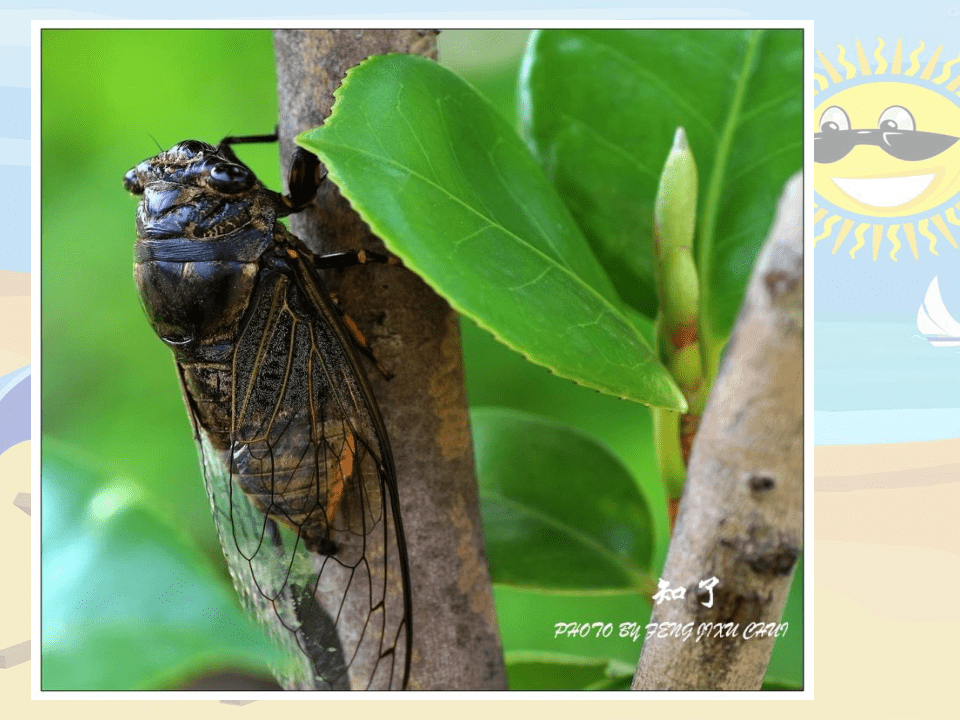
[741, 515]
[414, 335]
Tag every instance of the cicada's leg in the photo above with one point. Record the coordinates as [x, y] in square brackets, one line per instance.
[306, 172]
[306, 175]
[225, 146]
[350, 258]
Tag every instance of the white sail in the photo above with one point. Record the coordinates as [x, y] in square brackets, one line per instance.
[926, 325]
[935, 321]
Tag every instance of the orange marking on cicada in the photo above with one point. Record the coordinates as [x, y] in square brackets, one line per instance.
[341, 472]
[354, 330]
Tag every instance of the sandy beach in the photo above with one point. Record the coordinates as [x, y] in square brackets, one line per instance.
[886, 575]
[842, 468]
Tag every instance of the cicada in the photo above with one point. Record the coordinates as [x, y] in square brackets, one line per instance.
[293, 449]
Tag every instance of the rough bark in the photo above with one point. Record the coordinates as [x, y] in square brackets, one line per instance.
[415, 336]
[741, 515]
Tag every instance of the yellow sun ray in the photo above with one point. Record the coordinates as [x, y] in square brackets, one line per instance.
[924, 227]
[944, 230]
[892, 237]
[827, 229]
[861, 240]
[862, 60]
[848, 66]
[831, 70]
[842, 235]
[928, 70]
[878, 56]
[947, 72]
[914, 60]
[911, 239]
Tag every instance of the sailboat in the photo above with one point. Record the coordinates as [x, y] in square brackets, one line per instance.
[935, 321]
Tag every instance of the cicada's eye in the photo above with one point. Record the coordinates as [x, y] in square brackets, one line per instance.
[131, 181]
[188, 149]
[230, 178]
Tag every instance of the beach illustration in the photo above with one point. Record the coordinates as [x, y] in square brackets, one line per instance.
[887, 367]
[885, 373]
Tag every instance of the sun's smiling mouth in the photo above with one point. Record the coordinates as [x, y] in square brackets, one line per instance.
[885, 192]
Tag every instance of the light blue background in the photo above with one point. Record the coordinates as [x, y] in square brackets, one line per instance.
[874, 380]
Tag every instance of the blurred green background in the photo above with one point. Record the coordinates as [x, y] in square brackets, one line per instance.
[110, 395]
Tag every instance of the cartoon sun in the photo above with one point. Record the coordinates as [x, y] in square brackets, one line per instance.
[886, 151]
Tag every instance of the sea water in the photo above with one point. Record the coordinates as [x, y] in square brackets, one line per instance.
[882, 382]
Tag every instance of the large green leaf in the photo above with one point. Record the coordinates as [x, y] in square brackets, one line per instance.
[561, 513]
[443, 179]
[127, 603]
[599, 109]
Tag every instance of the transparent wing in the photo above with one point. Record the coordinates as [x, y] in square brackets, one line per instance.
[305, 496]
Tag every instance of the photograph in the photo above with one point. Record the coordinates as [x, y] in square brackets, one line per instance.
[426, 360]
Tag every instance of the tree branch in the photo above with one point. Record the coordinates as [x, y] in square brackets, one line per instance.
[741, 515]
[416, 337]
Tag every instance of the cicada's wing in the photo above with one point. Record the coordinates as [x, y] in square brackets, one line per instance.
[305, 499]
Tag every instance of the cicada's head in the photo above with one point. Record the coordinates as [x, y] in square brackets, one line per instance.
[193, 190]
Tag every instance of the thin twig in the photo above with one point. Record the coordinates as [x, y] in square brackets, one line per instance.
[741, 515]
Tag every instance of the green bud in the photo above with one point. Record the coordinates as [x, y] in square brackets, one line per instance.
[675, 209]
[686, 369]
[679, 286]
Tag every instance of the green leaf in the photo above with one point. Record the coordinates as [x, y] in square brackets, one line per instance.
[772, 684]
[557, 671]
[786, 662]
[127, 602]
[450, 188]
[599, 109]
[561, 512]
